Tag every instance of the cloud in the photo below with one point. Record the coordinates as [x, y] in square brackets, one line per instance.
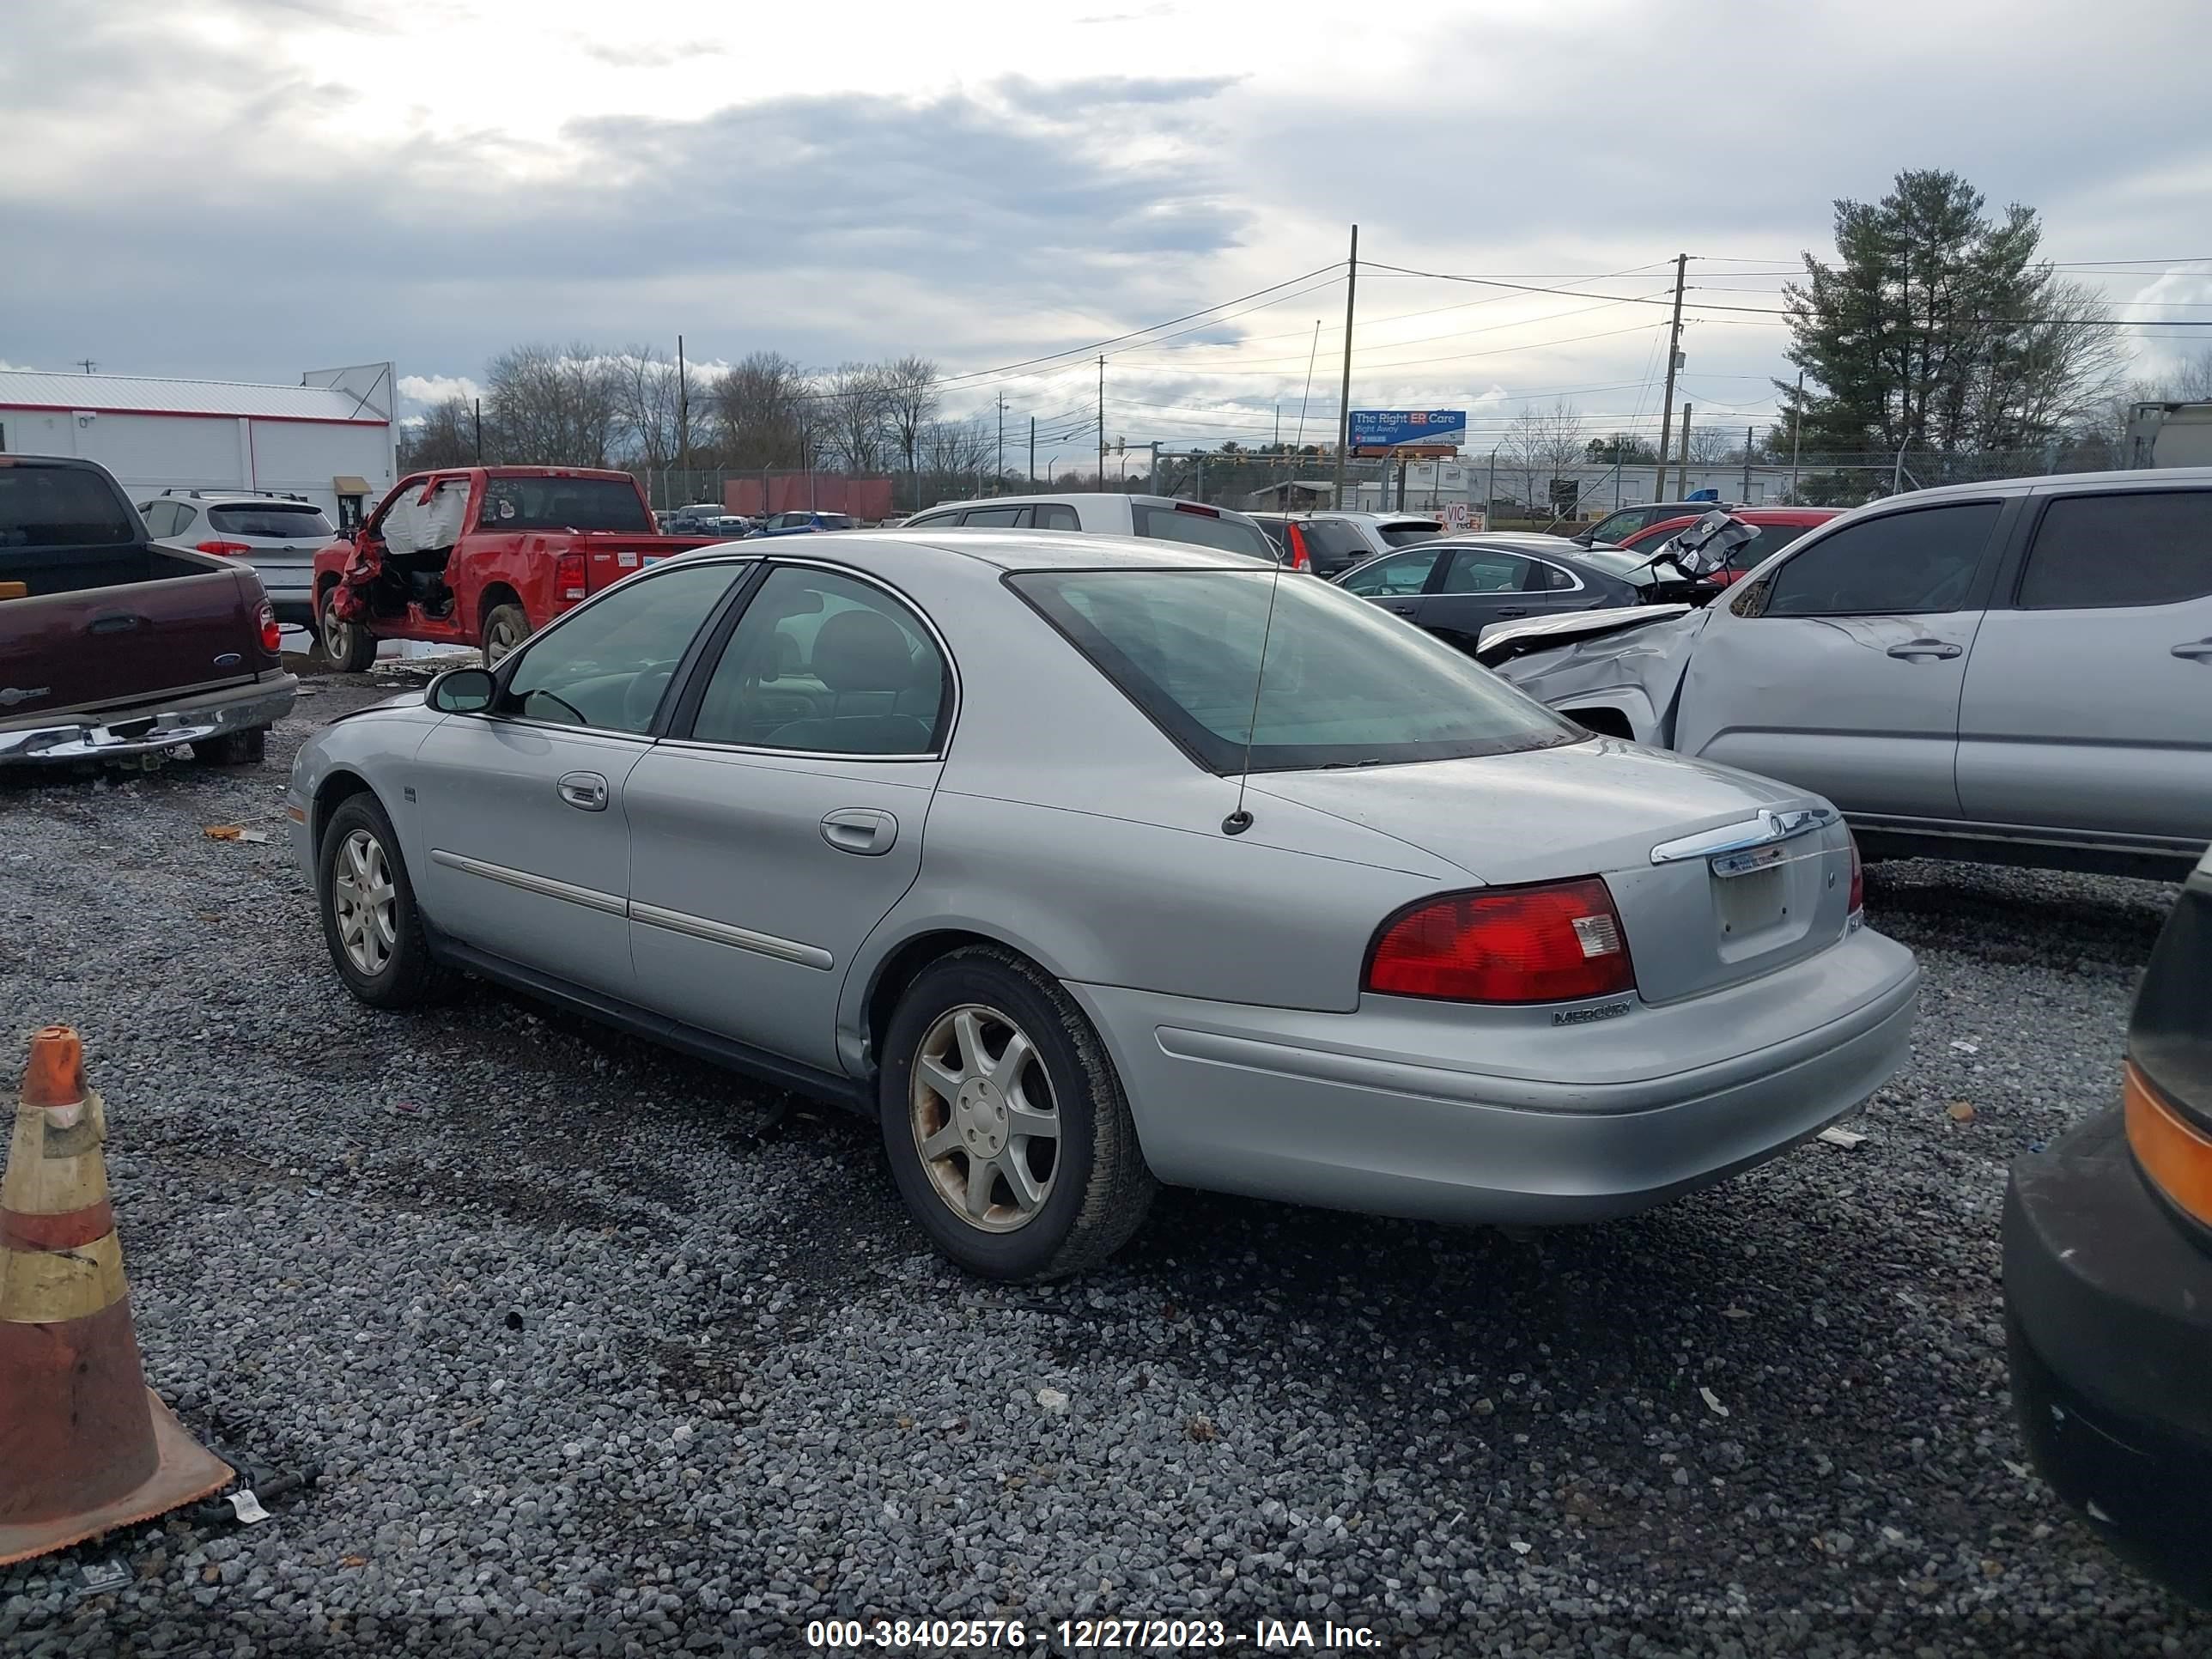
[237, 190]
[431, 389]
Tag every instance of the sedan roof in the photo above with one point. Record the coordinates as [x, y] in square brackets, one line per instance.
[1028, 550]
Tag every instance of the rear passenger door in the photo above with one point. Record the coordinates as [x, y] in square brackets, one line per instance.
[2088, 697]
[1481, 586]
[782, 817]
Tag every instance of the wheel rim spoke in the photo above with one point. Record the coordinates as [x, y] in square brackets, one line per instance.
[1008, 1066]
[1028, 1194]
[941, 1079]
[975, 1059]
[986, 1134]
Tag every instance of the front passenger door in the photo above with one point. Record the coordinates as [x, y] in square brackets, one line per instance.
[1395, 583]
[521, 807]
[1839, 669]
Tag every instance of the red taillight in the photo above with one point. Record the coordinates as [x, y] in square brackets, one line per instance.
[1300, 559]
[272, 636]
[1858, 908]
[568, 577]
[1550, 943]
[229, 549]
[1199, 508]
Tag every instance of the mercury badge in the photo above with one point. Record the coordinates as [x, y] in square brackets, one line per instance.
[12, 695]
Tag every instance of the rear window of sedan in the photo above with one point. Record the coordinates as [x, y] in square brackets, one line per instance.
[1346, 683]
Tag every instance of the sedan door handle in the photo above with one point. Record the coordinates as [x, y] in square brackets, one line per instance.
[1516, 611]
[584, 791]
[866, 830]
[1403, 607]
[1942, 648]
[2199, 650]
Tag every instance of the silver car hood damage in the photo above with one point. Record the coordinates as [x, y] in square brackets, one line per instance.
[1647, 658]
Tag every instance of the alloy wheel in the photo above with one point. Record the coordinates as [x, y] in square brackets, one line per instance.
[366, 900]
[984, 1120]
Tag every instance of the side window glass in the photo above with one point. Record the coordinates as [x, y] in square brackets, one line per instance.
[1553, 578]
[2141, 548]
[1056, 515]
[608, 665]
[996, 517]
[181, 517]
[1400, 573]
[161, 516]
[1921, 561]
[825, 664]
[1485, 570]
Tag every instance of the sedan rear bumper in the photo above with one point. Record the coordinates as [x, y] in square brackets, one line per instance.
[150, 728]
[1444, 1113]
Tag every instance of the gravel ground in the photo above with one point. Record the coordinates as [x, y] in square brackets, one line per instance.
[603, 1354]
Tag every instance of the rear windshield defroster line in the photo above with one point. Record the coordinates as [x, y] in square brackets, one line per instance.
[1347, 683]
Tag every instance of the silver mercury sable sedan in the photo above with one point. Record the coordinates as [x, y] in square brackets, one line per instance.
[1084, 864]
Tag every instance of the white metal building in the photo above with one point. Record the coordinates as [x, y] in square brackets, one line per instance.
[332, 438]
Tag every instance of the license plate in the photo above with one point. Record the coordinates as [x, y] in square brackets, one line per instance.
[1749, 901]
[1744, 863]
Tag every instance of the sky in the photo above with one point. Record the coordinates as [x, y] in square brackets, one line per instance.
[246, 189]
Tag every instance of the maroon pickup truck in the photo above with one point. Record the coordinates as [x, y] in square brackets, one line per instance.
[112, 649]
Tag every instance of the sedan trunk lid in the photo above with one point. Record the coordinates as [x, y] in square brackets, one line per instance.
[1719, 876]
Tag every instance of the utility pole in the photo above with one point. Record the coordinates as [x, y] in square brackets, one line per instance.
[479, 424]
[998, 466]
[1673, 357]
[1032, 472]
[87, 364]
[1682, 466]
[1746, 463]
[1796, 415]
[1344, 397]
[683, 417]
[1490, 501]
[1102, 419]
[1152, 477]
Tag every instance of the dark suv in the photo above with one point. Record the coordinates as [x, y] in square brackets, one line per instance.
[1326, 547]
[2108, 1279]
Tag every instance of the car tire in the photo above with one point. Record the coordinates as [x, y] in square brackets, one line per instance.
[1086, 1190]
[505, 627]
[347, 647]
[247, 747]
[385, 960]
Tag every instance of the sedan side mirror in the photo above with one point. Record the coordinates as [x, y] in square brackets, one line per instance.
[462, 691]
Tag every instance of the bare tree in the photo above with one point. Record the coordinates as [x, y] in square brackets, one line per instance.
[1545, 445]
[953, 453]
[656, 406]
[444, 437]
[910, 403]
[2048, 376]
[851, 403]
[554, 407]
[2193, 381]
[761, 407]
[1712, 445]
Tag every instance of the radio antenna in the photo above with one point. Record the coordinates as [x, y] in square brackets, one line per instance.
[1240, 820]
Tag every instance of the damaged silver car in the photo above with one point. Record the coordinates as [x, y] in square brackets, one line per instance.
[2018, 671]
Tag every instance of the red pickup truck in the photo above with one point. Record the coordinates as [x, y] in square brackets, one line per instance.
[482, 556]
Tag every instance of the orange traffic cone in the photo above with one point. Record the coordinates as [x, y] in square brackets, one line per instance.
[85, 1446]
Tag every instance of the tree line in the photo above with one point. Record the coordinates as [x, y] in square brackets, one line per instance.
[636, 409]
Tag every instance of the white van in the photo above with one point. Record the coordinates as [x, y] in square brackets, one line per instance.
[1105, 513]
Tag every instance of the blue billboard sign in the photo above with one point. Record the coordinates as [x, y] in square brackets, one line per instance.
[1388, 428]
